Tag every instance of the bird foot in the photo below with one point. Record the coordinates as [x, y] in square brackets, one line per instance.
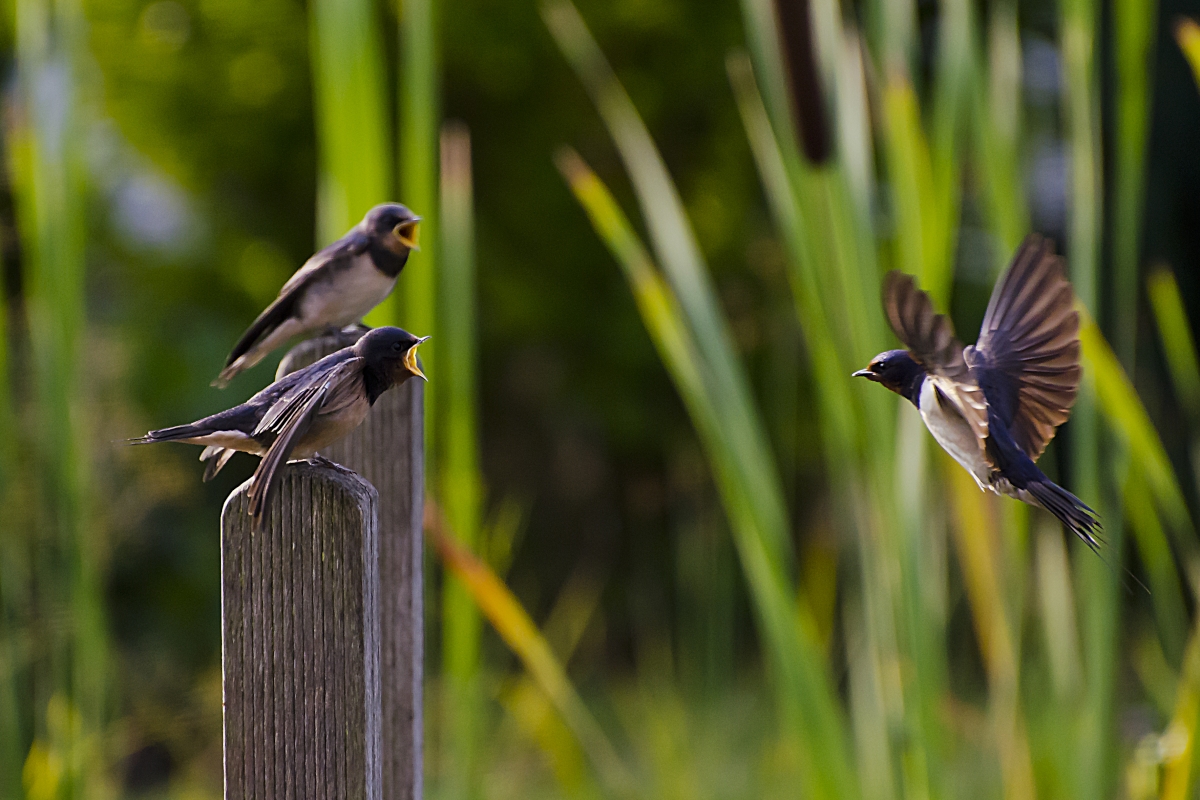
[322, 461]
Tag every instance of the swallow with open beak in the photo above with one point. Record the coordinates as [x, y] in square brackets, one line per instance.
[994, 406]
[334, 288]
[303, 411]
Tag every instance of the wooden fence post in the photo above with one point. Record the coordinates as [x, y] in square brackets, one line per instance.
[388, 450]
[300, 649]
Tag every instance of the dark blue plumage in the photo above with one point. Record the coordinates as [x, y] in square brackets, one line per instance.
[995, 405]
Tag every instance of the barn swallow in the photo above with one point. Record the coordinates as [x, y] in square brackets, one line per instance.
[995, 405]
[303, 411]
[334, 288]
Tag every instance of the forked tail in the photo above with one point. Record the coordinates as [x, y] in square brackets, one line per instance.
[1069, 509]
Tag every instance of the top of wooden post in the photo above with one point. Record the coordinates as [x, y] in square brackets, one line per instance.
[301, 639]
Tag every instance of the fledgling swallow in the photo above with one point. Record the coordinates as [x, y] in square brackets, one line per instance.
[334, 288]
[995, 405]
[301, 412]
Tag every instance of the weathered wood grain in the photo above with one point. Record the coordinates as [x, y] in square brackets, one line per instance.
[301, 640]
[388, 450]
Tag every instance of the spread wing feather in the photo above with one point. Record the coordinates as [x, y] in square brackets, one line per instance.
[930, 338]
[1030, 337]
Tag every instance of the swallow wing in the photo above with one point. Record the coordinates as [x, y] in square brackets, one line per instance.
[288, 420]
[284, 306]
[334, 255]
[1027, 356]
[930, 338]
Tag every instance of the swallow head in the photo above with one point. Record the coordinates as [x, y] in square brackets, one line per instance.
[392, 353]
[393, 226]
[895, 369]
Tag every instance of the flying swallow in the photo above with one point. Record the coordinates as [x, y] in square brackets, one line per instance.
[994, 406]
[301, 412]
[334, 288]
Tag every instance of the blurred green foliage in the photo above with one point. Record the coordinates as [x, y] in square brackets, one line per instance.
[948, 637]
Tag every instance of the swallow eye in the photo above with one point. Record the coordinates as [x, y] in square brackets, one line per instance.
[397, 346]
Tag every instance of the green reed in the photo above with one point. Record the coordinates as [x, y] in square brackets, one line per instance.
[459, 483]
[52, 583]
[353, 131]
[892, 492]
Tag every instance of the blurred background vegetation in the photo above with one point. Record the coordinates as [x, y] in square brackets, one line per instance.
[712, 565]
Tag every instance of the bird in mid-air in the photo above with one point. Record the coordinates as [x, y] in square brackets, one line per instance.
[334, 288]
[303, 411]
[995, 405]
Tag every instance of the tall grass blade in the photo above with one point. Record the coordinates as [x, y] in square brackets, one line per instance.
[1175, 336]
[834, 396]
[458, 477]
[1178, 742]
[925, 211]
[353, 134]
[676, 248]
[998, 116]
[13, 561]
[1166, 594]
[1187, 33]
[1098, 587]
[420, 114]
[831, 262]
[809, 707]
[752, 495]
[893, 33]
[49, 177]
[1123, 409]
[573, 611]
[977, 541]
[1133, 26]
[1056, 598]
[519, 632]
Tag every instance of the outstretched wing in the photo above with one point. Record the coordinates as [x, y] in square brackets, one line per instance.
[927, 335]
[1027, 355]
[930, 339]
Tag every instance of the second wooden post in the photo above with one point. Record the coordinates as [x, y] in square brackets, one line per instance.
[388, 451]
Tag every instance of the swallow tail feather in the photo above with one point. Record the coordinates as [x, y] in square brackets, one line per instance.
[177, 433]
[215, 458]
[1069, 509]
[250, 349]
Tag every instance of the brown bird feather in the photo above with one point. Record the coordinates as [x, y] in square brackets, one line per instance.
[1031, 333]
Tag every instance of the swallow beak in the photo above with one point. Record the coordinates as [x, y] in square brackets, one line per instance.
[408, 232]
[410, 360]
[865, 373]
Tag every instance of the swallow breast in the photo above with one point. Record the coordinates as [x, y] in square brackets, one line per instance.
[953, 433]
[347, 293]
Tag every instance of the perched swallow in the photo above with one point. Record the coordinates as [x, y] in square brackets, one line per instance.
[334, 288]
[301, 412]
[995, 405]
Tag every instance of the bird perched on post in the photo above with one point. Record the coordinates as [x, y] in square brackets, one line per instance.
[995, 406]
[303, 411]
[334, 288]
